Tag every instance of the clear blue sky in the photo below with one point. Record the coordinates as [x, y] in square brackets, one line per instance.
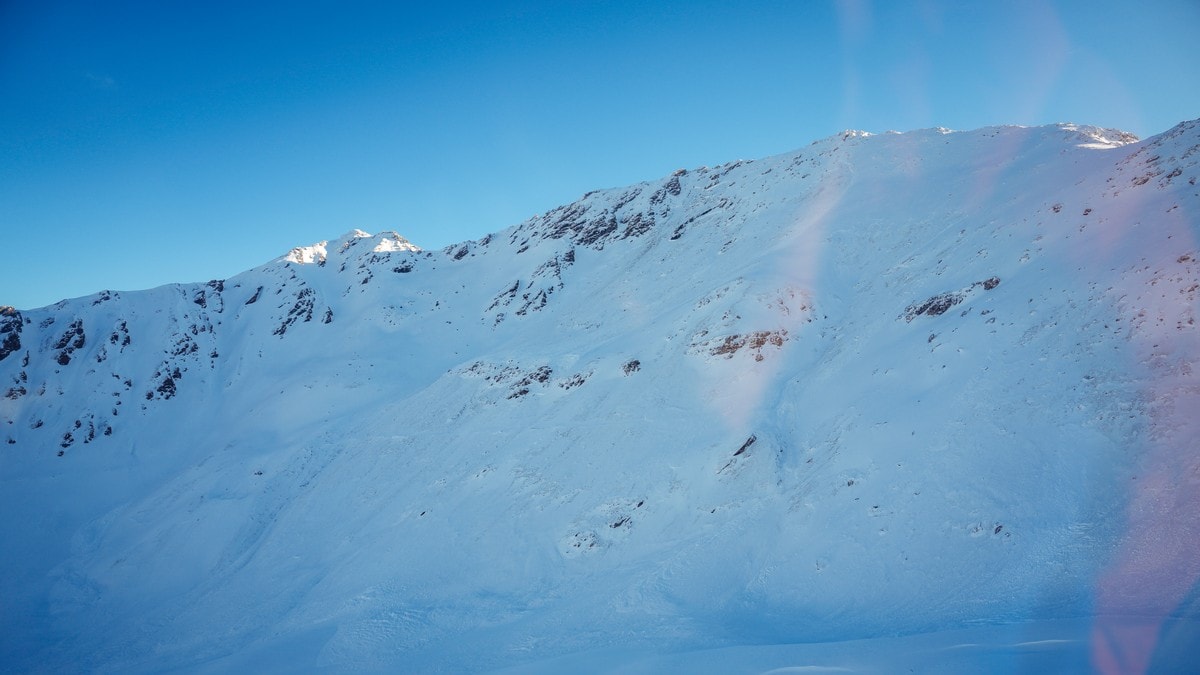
[143, 143]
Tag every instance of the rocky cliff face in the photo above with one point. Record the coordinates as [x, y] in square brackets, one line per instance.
[772, 401]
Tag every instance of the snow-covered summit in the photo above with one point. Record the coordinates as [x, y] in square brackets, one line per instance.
[392, 241]
[306, 255]
[317, 253]
[882, 385]
[1099, 136]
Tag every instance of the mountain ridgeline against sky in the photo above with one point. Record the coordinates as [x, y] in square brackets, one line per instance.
[884, 385]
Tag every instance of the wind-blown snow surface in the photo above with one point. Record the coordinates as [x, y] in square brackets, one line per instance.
[937, 384]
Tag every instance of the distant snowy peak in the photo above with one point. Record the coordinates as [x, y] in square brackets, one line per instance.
[1082, 135]
[391, 241]
[853, 133]
[318, 253]
[1099, 137]
[306, 255]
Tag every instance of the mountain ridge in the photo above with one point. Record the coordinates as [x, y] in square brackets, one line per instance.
[718, 400]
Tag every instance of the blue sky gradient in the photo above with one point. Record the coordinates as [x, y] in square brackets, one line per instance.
[144, 143]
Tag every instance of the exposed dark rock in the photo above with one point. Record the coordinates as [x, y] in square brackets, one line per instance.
[521, 386]
[637, 224]
[548, 275]
[120, 336]
[683, 226]
[504, 297]
[302, 310]
[575, 222]
[739, 452]
[10, 328]
[934, 306]
[574, 381]
[745, 446]
[596, 231]
[535, 303]
[72, 339]
[167, 387]
[670, 188]
[755, 341]
[942, 302]
[73, 334]
[184, 345]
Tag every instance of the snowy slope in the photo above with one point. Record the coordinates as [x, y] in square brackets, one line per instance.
[885, 385]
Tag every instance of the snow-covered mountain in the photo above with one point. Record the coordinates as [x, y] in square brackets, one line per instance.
[923, 384]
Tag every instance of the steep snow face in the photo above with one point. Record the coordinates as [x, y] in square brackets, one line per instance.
[886, 384]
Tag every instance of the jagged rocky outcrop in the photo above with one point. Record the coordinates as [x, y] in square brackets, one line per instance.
[10, 329]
